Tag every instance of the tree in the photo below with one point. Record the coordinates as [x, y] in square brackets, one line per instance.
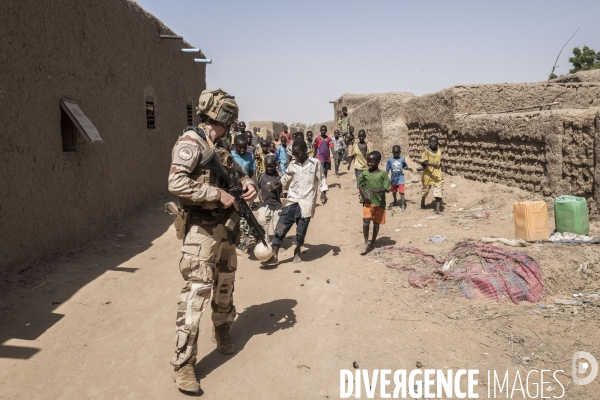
[584, 59]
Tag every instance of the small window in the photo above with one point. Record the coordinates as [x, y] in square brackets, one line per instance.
[69, 133]
[190, 114]
[74, 121]
[150, 115]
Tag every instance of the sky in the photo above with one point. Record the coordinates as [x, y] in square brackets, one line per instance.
[285, 61]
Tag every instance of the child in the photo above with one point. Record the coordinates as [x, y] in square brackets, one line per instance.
[273, 151]
[305, 178]
[246, 161]
[261, 152]
[344, 120]
[373, 185]
[339, 149]
[282, 153]
[295, 136]
[349, 137]
[397, 165]
[241, 155]
[431, 160]
[251, 148]
[255, 137]
[269, 195]
[309, 144]
[322, 144]
[359, 153]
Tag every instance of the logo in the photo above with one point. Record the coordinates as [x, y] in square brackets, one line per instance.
[464, 383]
[582, 368]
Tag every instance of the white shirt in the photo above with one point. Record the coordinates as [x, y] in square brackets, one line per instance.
[304, 182]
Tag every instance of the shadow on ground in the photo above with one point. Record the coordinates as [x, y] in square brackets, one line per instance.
[384, 241]
[29, 294]
[258, 319]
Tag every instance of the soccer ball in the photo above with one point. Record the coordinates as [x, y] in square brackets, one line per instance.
[262, 252]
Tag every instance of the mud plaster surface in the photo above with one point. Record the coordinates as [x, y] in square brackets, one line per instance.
[107, 56]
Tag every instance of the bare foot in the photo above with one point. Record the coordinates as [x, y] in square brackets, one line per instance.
[274, 260]
[297, 258]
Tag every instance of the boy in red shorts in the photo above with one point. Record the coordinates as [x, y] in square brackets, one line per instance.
[373, 184]
[397, 165]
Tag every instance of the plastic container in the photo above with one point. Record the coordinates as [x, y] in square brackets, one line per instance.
[531, 220]
[571, 215]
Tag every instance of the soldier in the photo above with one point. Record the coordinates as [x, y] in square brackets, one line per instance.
[209, 259]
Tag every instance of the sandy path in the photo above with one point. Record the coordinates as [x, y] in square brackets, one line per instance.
[111, 336]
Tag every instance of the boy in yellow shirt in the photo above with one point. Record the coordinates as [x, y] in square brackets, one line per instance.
[358, 153]
[432, 177]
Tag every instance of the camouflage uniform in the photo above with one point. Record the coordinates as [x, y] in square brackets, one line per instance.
[209, 260]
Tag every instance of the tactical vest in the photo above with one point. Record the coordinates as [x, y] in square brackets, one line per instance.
[207, 177]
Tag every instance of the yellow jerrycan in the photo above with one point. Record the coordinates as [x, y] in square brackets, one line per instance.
[531, 220]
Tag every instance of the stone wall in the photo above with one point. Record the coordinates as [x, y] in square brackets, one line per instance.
[108, 56]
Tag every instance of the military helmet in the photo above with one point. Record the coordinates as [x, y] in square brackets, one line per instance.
[218, 106]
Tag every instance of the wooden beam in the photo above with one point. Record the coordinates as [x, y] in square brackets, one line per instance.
[171, 37]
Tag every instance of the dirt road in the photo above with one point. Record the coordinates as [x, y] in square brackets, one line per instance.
[99, 322]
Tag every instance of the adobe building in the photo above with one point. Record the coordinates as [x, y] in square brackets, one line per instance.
[267, 127]
[93, 97]
[542, 137]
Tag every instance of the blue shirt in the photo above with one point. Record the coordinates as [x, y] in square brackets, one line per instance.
[397, 166]
[282, 154]
[246, 161]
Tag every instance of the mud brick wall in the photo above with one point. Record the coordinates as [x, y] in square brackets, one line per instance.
[331, 126]
[501, 97]
[551, 153]
[351, 101]
[380, 115]
[107, 56]
[580, 143]
[507, 149]
[418, 139]
[582, 76]
[268, 127]
[367, 116]
[551, 150]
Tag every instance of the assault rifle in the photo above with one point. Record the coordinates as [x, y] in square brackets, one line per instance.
[211, 161]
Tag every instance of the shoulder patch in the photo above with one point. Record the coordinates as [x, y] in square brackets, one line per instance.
[185, 153]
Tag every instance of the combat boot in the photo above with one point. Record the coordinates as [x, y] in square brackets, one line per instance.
[185, 377]
[221, 337]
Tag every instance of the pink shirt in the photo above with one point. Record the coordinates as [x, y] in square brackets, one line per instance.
[288, 137]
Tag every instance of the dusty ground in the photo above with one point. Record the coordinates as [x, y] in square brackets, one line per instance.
[99, 322]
